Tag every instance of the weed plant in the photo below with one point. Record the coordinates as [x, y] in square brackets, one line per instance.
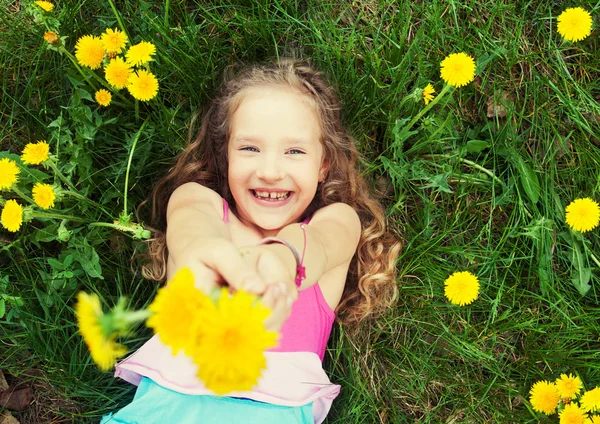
[479, 183]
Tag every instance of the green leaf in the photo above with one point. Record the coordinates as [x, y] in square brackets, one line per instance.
[581, 280]
[55, 264]
[2, 308]
[476, 146]
[529, 180]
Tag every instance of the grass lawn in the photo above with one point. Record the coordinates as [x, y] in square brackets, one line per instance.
[479, 183]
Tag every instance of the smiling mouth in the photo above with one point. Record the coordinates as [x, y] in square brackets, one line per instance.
[271, 197]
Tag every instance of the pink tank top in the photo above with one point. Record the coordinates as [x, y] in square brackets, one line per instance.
[309, 325]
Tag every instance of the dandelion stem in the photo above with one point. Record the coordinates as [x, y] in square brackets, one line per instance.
[473, 165]
[36, 214]
[118, 16]
[429, 106]
[73, 60]
[23, 195]
[85, 199]
[135, 140]
[60, 175]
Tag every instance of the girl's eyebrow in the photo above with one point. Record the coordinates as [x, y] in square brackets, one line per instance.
[253, 139]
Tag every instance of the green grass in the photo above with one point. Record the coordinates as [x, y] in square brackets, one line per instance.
[426, 360]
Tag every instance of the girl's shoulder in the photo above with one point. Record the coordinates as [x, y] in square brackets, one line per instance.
[192, 193]
[342, 213]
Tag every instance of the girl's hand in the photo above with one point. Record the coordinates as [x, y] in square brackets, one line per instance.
[217, 261]
[281, 291]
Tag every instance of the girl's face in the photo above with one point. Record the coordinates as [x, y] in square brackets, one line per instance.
[275, 157]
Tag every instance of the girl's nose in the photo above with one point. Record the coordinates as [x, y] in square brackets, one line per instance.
[270, 170]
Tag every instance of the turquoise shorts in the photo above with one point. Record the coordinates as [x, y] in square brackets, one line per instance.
[155, 404]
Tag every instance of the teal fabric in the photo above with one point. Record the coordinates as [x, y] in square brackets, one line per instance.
[155, 404]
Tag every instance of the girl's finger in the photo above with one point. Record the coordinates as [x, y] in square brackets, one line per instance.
[225, 259]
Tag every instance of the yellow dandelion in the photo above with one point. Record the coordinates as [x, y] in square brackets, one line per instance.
[117, 73]
[175, 305]
[544, 397]
[43, 195]
[141, 53]
[35, 153]
[583, 214]
[428, 93]
[114, 40]
[103, 97]
[231, 341]
[458, 69]
[590, 400]
[12, 216]
[575, 24]
[143, 85]
[461, 288]
[592, 419]
[8, 173]
[89, 51]
[51, 37]
[572, 414]
[568, 386]
[45, 5]
[104, 350]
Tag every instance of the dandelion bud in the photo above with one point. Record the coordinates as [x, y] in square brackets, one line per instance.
[111, 55]
[51, 37]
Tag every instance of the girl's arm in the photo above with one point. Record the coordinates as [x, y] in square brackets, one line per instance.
[198, 238]
[331, 240]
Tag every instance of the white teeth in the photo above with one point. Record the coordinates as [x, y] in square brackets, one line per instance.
[272, 195]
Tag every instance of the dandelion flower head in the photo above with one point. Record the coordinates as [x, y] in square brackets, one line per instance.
[231, 343]
[89, 51]
[117, 73]
[141, 53]
[8, 173]
[45, 5]
[143, 85]
[35, 153]
[104, 350]
[114, 40]
[43, 195]
[544, 397]
[572, 414]
[103, 97]
[583, 214]
[428, 93]
[574, 24]
[592, 419]
[568, 386]
[12, 216]
[590, 400]
[458, 69]
[51, 37]
[173, 307]
[461, 288]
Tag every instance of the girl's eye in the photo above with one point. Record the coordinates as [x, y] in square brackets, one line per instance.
[249, 149]
[296, 151]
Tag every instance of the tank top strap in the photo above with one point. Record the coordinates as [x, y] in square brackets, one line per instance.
[225, 211]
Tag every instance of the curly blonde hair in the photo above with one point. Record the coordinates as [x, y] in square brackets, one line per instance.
[371, 285]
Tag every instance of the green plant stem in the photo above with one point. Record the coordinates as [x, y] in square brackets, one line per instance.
[74, 62]
[471, 164]
[23, 195]
[96, 77]
[37, 214]
[118, 16]
[167, 6]
[135, 140]
[85, 199]
[429, 106]
[60, 175]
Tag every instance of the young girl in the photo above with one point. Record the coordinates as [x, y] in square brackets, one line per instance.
[266, 198]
